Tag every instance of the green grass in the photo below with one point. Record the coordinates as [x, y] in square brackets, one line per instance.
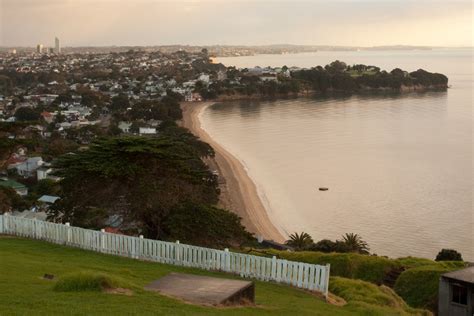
[23, 291]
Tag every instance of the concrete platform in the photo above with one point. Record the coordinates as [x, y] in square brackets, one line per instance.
[205, 290]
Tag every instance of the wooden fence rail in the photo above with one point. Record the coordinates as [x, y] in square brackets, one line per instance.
[302, 275]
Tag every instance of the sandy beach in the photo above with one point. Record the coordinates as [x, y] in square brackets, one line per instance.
[238, 192]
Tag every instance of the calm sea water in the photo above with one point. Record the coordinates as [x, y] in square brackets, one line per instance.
[399, 168]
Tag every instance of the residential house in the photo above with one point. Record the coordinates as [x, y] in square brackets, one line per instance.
[19, 188]
[192, 97]
[456, 293]
[204, 78]
[221, 75]
[125, 126]
[147, 131]
[28, 167]
[269, 78]
[48, 199]
[43, 172]
[48, 116]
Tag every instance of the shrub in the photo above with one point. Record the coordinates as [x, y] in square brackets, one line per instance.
[348, 265]
[87, 281]
[419, 286]
[326, 245]
[448, 255]
[357, 292]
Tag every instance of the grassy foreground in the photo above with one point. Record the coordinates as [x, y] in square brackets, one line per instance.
[417, 285]
[23, 291]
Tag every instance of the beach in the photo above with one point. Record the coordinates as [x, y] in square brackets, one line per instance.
[238, 192]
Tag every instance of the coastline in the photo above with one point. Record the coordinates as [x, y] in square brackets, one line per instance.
[238, 192]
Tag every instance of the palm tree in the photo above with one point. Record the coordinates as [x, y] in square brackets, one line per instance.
[300, 241]
[355, 243]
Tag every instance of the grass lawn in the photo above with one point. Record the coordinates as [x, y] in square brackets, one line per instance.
[23, 291]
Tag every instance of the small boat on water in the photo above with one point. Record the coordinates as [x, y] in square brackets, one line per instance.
[323, 189]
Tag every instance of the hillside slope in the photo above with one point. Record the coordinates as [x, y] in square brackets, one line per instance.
[23, 291]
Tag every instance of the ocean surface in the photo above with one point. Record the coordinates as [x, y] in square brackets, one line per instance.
[399, 168]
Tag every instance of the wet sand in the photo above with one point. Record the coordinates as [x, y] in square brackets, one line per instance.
[238, 192]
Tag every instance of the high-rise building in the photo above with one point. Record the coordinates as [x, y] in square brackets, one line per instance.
[57, 47]
[39, 48]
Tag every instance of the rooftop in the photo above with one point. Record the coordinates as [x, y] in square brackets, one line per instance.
[464, 275]
[11, 184]
[48, 199]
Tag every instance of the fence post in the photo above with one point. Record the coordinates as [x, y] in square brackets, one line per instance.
[68, 233]
[140, 247]
[102, 240]
[1, 224]
[5, 223]
[227, 260]
[274, 265]
[326, 283]
[177, 256]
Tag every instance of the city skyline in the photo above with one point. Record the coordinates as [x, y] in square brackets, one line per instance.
[153, 22]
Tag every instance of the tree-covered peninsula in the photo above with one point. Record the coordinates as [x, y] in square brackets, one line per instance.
[335, 77]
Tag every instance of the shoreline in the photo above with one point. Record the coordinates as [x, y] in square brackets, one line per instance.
[239, 193]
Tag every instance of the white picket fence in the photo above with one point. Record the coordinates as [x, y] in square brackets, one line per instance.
[302, 275]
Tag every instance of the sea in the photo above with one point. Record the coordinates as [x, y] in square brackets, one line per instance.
[399, 167]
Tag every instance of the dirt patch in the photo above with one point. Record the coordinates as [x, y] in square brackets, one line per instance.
[336, 300]
[119, 291]
[48, 276]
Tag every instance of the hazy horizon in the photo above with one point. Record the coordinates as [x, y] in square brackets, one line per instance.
[359, 23]
[238, 45]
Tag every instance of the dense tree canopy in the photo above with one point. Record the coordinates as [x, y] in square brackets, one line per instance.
[139, 178]
[144, 180]
[206, 226]
[24, 114]
[448, 255]
[9, 200]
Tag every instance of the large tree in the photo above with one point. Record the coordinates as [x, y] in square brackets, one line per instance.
[139, 178]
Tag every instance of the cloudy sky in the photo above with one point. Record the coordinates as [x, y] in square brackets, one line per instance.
[201, 22]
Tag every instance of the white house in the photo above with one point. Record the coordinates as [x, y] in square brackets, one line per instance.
[43, 172]
[204, 78]
[147, 131]
[28, 167]
[192, 97]
[269, 78]
[125, 126]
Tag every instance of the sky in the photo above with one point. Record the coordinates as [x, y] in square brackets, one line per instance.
[236, 22]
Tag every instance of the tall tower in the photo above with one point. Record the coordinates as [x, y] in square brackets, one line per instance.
[39, 48]
[57, 47]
